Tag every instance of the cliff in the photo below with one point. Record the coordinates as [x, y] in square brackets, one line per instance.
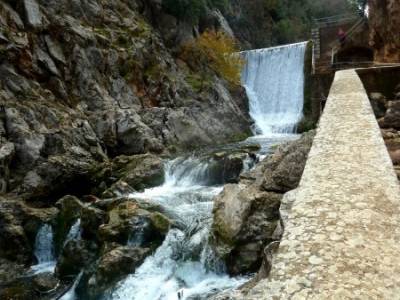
[84, 81]
[384, 19]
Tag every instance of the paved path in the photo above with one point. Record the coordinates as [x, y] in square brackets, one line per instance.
[342, 237]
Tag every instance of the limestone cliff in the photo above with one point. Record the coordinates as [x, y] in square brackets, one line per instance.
[384, 19]
[85, 80]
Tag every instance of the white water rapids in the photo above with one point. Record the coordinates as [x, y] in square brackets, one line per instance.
[184, 266]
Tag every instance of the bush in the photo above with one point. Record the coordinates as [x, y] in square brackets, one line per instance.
[192, 10]
[189, 10]
[217, 51]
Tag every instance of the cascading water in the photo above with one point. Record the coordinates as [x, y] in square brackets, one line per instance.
[183, 266]
[44, 250]
[274, 81]
[75, 232]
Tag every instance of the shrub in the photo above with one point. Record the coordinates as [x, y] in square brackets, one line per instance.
[217, 51]
[192, 10]
[189, 10]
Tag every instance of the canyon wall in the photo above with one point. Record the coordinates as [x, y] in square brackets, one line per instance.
[384, 19]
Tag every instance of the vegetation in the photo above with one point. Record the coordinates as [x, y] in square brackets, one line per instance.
[217, 50]
[192, 10]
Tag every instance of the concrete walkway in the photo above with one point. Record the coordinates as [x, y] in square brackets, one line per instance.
[342, 235]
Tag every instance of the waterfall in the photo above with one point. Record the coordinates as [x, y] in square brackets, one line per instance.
[274, 81]
[71, 293]
[44, 250]
[75, 232]
[180, 268]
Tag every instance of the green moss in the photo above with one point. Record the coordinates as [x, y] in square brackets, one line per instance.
[199, 82]
[240, 136]
[160, 222]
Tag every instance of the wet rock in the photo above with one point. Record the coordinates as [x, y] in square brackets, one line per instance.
[114, 266]
[379, 103]
[392, 116]
[246, 215]
[19, 224]
[70, 208]
[76, 255]
[118, 189]
[91, 219]
[21, 290]
[286, 165]
[10, 270]
[129, 222]
[245, 219]
[45, 282]
[124, 173]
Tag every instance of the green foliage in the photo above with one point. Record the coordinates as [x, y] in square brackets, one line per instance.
[185, 9]
[192, 10]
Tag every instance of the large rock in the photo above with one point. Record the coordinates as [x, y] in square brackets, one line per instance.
[125, 173]
[19, 224]
[113, 266]
[76, 255]
[246, 215]
[392, 116]
[286, 165]
[91, 219]
[70, 208]
[379, 103]
[129, 222]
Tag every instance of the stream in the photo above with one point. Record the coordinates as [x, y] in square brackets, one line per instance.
[184, 267]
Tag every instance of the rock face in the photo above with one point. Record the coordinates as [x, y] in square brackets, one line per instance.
[84, 81]
[246, 215]
[384, 22]
[113, 266]
[19, 224]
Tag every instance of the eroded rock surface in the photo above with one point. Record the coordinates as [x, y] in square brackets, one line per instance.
[246, 215]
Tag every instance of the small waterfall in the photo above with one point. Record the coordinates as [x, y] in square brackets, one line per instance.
[44, 250]
[183, 172]
[75, 232]
[274, 81]
[71, 293]
[183, 264]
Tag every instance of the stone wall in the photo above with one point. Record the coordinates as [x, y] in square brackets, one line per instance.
[341, 238]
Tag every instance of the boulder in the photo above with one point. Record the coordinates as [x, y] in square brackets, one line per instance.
[76, 255]
[91, 219]
[285, 167]
[246, 216]
[118, 189]
[245, 219]
[124, 174]
[19, 224]
[378, 103]
[113, 266]
[392, 116]
[70, 208]
[45, 282]
[129, 223]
